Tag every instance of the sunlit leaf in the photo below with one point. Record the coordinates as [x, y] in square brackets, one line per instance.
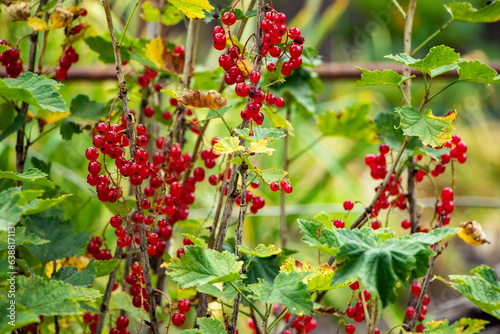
[278, 121]
[228, 145]
[260, 146]
[154, 51]
[261, 250]
[475, 71]
[270, 175]
[465, 12]
[192, 8]
[374, 78]
[432, 130]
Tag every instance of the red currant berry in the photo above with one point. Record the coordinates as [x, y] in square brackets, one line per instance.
[354, 286]
[274, 186]
[410, 312]
[416, 289]
[178, 319]
[348, 205]
[229, 18]
[350, 328]
[184, 305]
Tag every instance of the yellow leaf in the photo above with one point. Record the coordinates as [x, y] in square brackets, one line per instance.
[37, 24]
[19, 11]
[171, 93]
[472, 233]
[197, 99]
[80, 262]
[51, 116]
[260, 146]
[61, 17]
[154, 51]
[192, 8]
[244, 66]
[228, 145]
[292, 265]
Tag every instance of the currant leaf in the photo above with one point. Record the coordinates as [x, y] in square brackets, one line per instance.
[374, 78]
[465, 12]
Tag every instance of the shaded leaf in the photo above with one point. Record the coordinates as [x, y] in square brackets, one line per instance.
[192, 8]
[20, 238]
[261, 268]
[287, 289]
[84, 112]
[33, 89]
[43, 204]
[432, 130]
[199, 266]
[60, 234]
[374, 78]
[390, 133]
[103, 47]
[10, 213]
[13, 127]
[261, 250]
[434, 236]
[465, 12]
[71, 275]
[352, 123]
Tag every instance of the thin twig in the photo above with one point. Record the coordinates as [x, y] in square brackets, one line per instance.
[437, 32]
[283, 227]
[398, 6]
[132, 140]
[128, 22]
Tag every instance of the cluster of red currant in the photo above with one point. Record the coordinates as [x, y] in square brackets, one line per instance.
[69, 58]
[121, 323]
[137, 290]
[91, 320]
[446, 205]
[238, 69]
[302, 324]
[416, 289]
[145, 79]
[183, 307]
[31, 327]
[10, 59]
[181, 251]
[94, 249]
[283, 184]
[357, 312]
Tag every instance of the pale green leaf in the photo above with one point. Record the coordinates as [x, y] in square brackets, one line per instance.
[435, 235]
[278, 121]
[322, 239]
[325, 219]
[390, 133]
[352, 123]
[10, 213]
[149, 12]
[171, 15]
[192, 8]
[261, 250]
[43, 204]
[475, 71]
[434, 62]
[270, 175]
[199, 266]
[287, 289]
[216, 113]
[104, 267]
[31, 175]
[33, 89]
[465, 12]
[260, 133]
[228, 293]
[228, 145]
[375, 78]
[432, 130]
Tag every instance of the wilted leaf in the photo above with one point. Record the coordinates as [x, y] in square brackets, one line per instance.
[154, 51]
[19, 11]
[38, 24]
[61, 17]
[228, 145]
[197, 99]
[245, 66]
[463, 326]
[174, 62]
[432, 130]
[472, 233]
[260, 146]
[192, 8]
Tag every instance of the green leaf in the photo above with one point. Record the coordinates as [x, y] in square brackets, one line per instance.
[475, 71]
[228, 145]
[32, 175]
[352, 123]
[216, 113]
[270, 175]
[149, 12]
[278, 121]
[482, 289]
[433, 153]
[84, 113]
[325, 219]
[10, 213]
[60, 234]
[323, 240]
[261, 250]
[103, 47]
[192, 8]
[13, 127]
[317, 279]
[171, 15]
[432, 130]
[287, 289]
[71, 275]
[260, 133]
[23, 264]
[374, 78]
[104, 267]
[23, 316]
[199, 266]
[435, 235]
[381, 263]
[49, 298]
[33, 89]
[390, 133]
[207, 326]
[463, 11]
[261, 268]
[19, 238]
[464, 325]
[434, 63]
[44, 204]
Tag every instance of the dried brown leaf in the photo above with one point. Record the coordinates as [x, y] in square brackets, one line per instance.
[197, 99]
[19, 11]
